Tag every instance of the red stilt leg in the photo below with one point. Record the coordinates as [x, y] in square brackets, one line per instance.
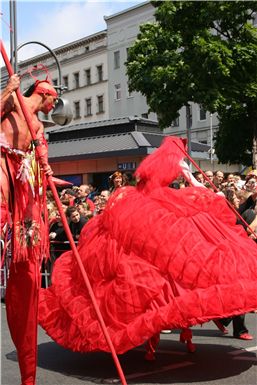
[151, 346]
[186, 337]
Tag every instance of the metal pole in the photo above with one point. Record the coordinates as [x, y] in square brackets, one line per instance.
[211, 140]
[188, 130]
[11, 30]
[15, 36]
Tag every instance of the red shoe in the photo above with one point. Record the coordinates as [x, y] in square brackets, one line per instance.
[220, 326]
[149, 356]
[191, 348]
[245, 336]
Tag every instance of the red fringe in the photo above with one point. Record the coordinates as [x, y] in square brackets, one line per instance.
[30, 222]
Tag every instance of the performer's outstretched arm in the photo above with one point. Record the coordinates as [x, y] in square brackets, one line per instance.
[188, 175]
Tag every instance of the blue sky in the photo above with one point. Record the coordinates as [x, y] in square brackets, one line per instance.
[55, 23]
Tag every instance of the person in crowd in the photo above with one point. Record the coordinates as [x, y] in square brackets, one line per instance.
[209, 174]
[75, 189]
[68, 194]
[116, 181]
[248, 201]
[128, 179]
[82, 196]
[199, 177]
[251, 174]
[238, 181]
[242, 196]
[250, 184]
[102, 200]
[84, 209]
[23, 204]
[218, 179]
[93, 192]
[239, 328]
[230, 178]
[57, 235]
[76, 221]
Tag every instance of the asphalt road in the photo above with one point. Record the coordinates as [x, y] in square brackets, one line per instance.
[218, 360]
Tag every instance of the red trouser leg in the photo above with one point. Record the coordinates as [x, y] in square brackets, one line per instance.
[22, 308]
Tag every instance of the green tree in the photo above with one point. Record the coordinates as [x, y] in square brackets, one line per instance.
[203, 52]
[233, 140]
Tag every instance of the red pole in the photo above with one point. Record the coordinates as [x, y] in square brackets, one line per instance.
[65, 224]
[217, 190]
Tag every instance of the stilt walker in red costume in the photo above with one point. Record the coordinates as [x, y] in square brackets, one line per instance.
[22, 145]
[22, 195]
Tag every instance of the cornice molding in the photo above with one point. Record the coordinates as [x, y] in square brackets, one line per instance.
[65, 48]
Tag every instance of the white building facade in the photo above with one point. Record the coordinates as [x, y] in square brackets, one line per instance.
[84, 73]
[122, 31]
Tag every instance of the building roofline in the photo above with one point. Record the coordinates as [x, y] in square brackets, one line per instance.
[65, 47]
[126, 10]
[101, 123]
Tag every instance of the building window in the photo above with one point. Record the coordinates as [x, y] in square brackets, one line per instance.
[76, 79]
[100, 73]
[55, 82]
[116, 59]
[77, 110]
[202, 113]
[66, 82]
[88, 76]
[175, 122]
[88, 107]
[86, 48]
[145, 115]
[100, 104]
[117, 95]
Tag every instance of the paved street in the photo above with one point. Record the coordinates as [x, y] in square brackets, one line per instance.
[219, 360]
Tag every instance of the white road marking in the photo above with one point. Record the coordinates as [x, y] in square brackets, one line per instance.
[163, 369]
[251, 349]
[243, 350]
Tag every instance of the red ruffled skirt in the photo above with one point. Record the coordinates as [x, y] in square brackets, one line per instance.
[165, 259]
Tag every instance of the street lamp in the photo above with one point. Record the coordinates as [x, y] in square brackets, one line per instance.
[62, 113]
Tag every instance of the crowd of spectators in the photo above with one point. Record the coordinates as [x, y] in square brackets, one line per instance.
[240, 193]
[80, 204]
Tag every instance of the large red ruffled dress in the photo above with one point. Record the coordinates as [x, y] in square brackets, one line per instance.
[156, 258]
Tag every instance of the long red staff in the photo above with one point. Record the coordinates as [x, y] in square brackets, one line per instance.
[65, 224]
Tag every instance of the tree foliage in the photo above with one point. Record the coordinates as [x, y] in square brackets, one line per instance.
[233, 140]
[199, 51]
